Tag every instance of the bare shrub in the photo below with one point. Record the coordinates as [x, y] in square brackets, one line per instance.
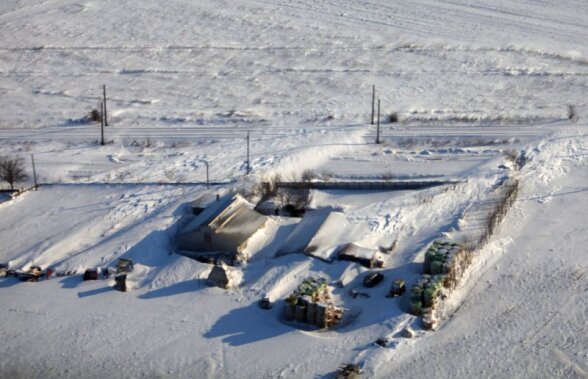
[171, 175]
[511, 155]
[251, 190]
[408, 143]
[28, 146]
[12, 170]
[327, 175]
[95, 115]
[181, 144]
[389, 176]
[308, 175]
[295, 201]
[121, 176]
[572, 114]
[393, 117]
[272, 185]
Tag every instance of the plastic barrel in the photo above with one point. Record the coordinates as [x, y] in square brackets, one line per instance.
[436, 266]
[416, 308]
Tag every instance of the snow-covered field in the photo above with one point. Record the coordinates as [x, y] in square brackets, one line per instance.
[186, 80]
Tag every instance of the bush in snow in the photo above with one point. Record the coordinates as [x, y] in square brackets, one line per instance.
[572, 114]
[12, 170]
[95, 115]
[308, 175]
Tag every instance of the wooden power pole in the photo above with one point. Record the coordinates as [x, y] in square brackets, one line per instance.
[34, 172]
[207, 181]
[104, 101]
[102, 124]
[248, 165]
[373, 102]
[378, 127]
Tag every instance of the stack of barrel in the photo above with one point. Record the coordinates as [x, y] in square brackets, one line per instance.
[445, 263]
[424, 294]
[309, 305]
[446, 258]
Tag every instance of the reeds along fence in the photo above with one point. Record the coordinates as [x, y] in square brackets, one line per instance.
[446, 262]
[505, 201]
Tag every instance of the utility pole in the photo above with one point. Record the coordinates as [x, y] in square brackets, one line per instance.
[104, 101]
[378, 127]
[207, 182]
[102, 124]
[34, 172]
[248, 166]
[373, 102]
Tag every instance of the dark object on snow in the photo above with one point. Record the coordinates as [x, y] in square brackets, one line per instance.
[91, 274]
[205, 258]
[337, 284]
[66, 273]
[12, 273]
[353, 293]
[398, 288]
[107, 272]
[219, 276]
[407, 332]
[290, 210]
[365, 257]
[265, 303]
[95, 115]
[349, 371]
[32, 275]
[124, 265]
[3, 270]
[372, 279]
[120, 282]
[382, 341]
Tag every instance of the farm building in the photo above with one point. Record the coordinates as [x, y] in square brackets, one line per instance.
[224, 226]
[320, 233]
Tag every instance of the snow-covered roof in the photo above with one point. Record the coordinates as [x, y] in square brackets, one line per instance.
[299, 239]
[238, 219]
[335, 230]
[320, 233]
[210, 213]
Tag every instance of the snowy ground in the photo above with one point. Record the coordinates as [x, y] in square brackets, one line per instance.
[471, 83]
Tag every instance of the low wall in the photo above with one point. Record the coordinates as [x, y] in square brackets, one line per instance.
[400, 185]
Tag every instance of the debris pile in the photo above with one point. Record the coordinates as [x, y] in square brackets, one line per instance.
[120, 282]
[349, 371]
[33, 274]
[3, 269]
[445, 264]
[124, 266]
[365, 257]
[311, 304]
